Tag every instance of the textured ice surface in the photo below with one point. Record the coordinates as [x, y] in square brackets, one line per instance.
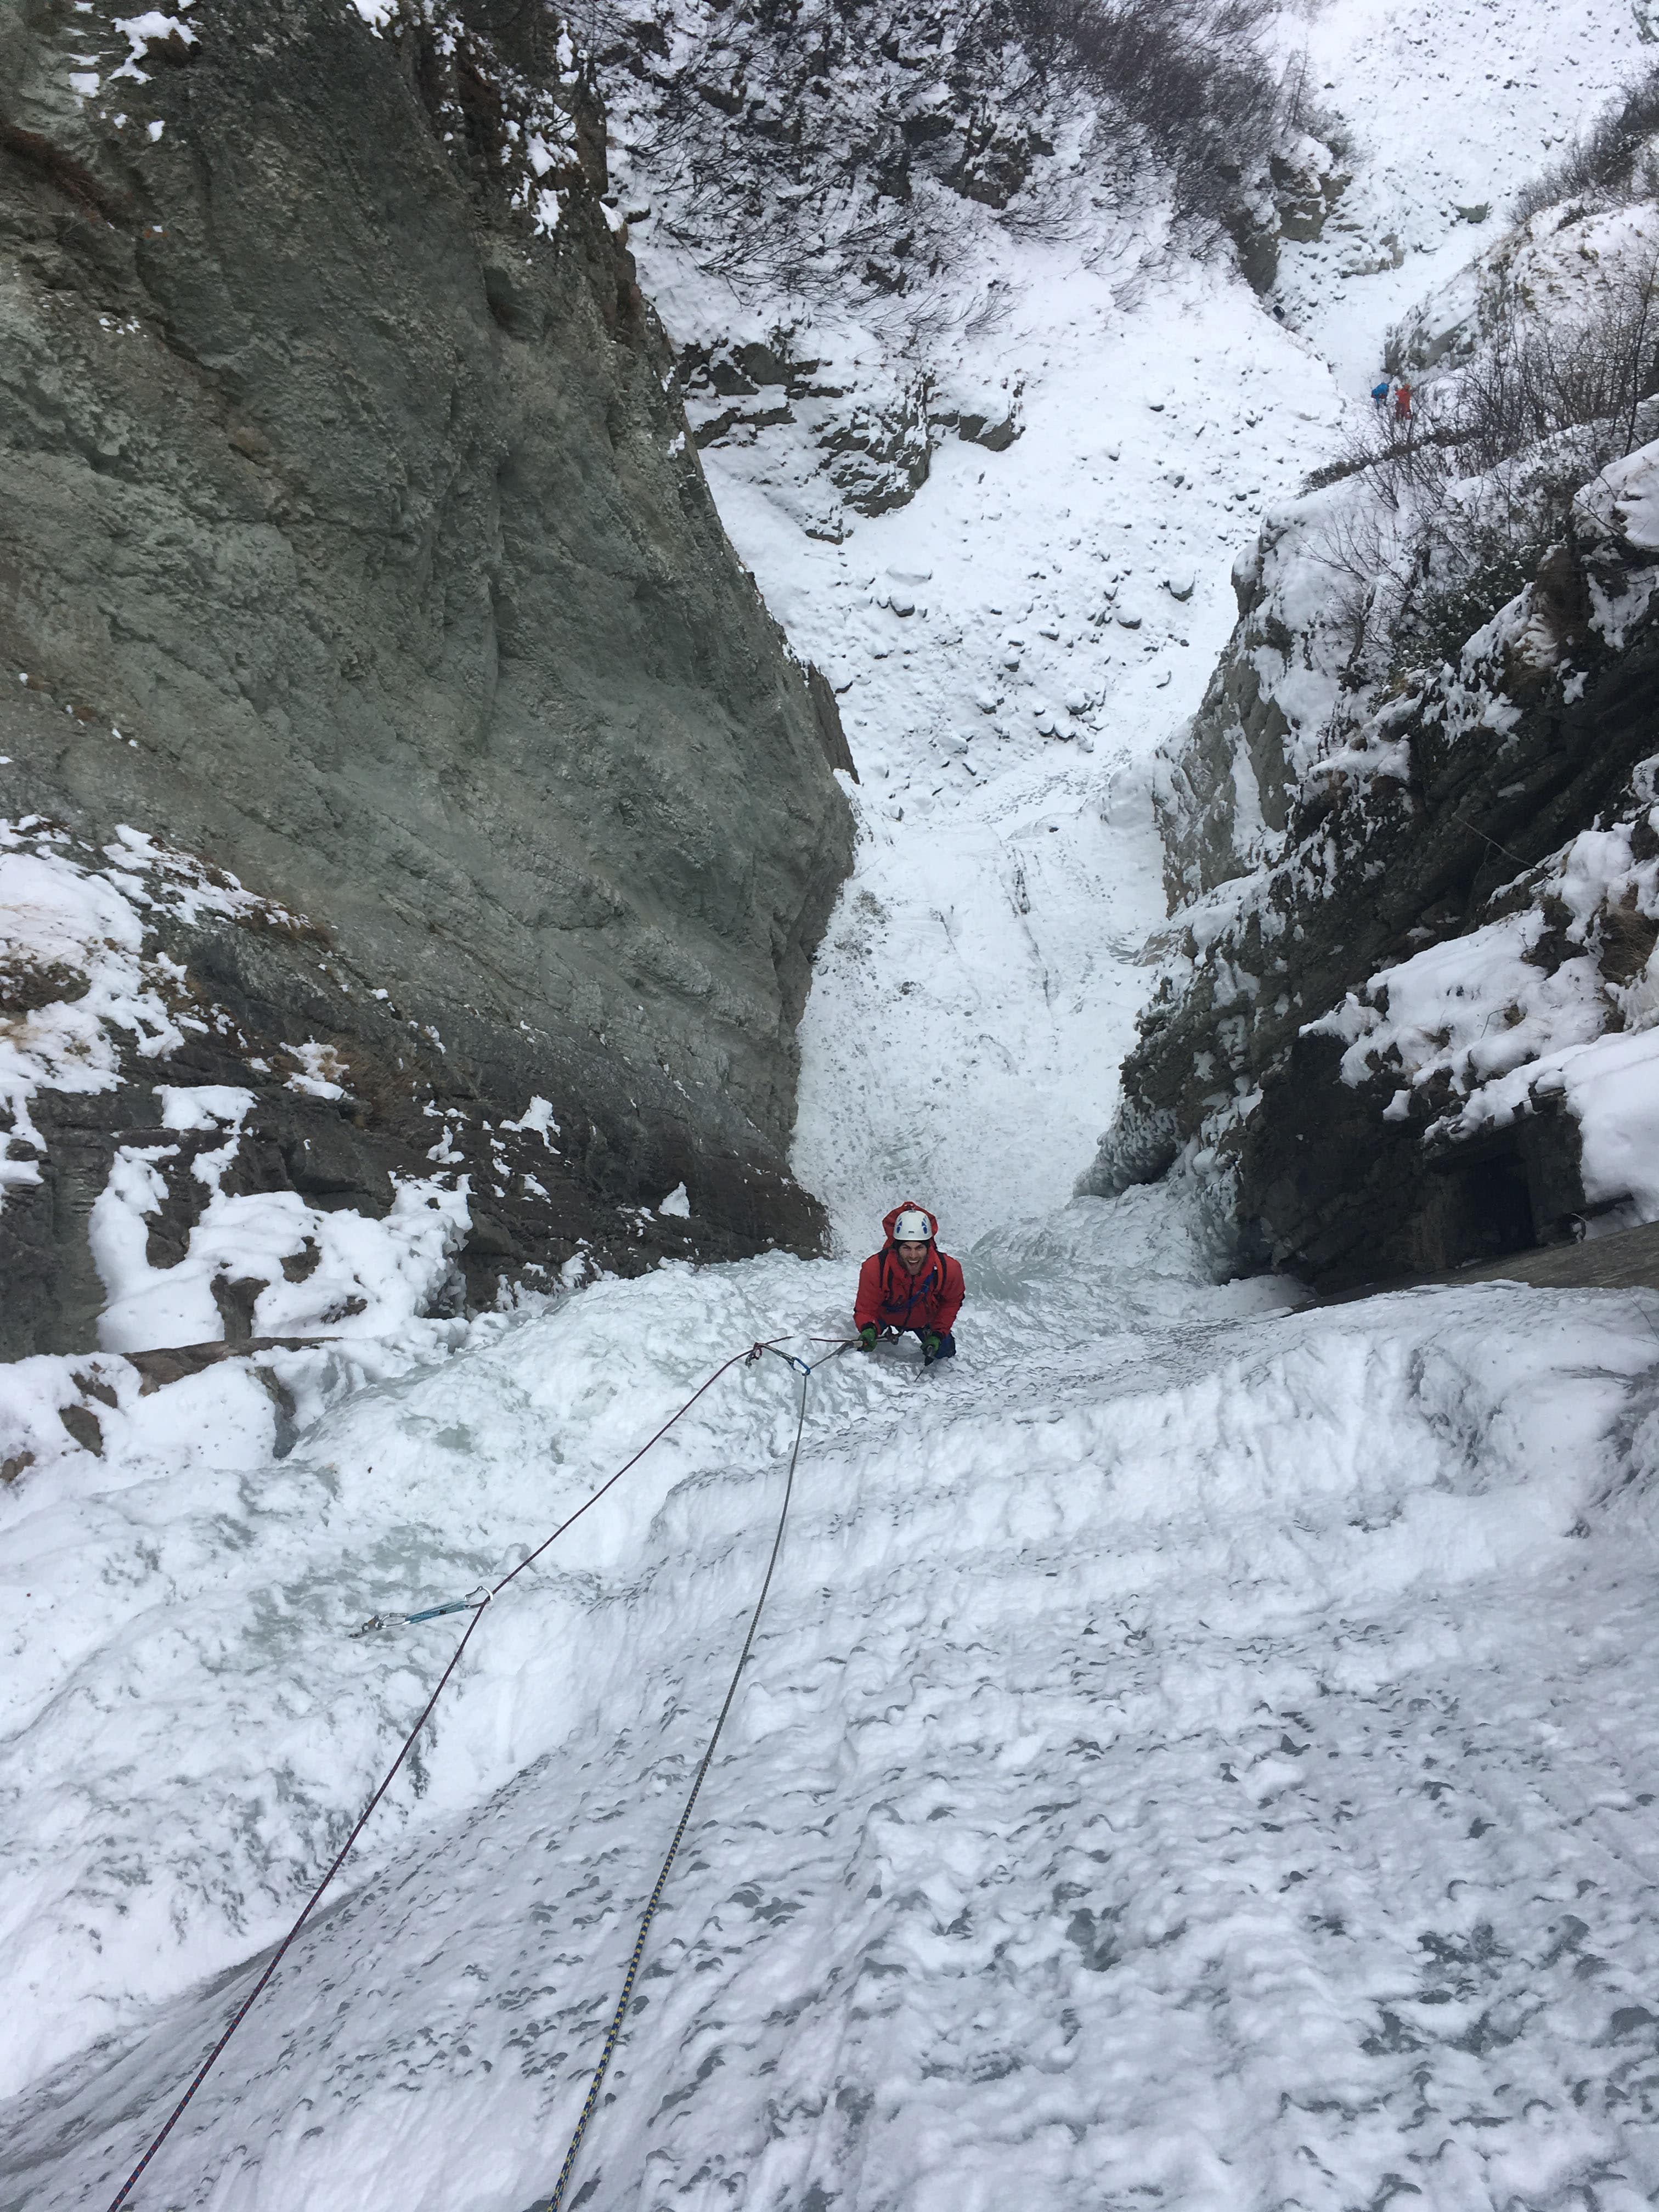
[1197, 1752]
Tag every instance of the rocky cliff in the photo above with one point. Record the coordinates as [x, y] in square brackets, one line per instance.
[1427, 1030]
[357, 563]
[1406, 1019]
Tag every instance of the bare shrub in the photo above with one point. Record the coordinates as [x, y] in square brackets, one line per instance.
[805, 142]
[1358, 544]
[1532, 383]
[1189, 75]
[1467, 565]
[1454, 508]
[1608, 161]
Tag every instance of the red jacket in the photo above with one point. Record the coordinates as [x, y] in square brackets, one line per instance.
[893, 1297]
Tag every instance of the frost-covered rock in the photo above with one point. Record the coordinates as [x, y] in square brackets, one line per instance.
[831, 204]
[1528, 372]
[215, 1135]
[1409, 1036]
[1550, 267]
[1224, 790]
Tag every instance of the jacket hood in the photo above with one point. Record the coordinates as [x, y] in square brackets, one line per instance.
[910, 1205]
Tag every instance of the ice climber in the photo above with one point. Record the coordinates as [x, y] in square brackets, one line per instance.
[910, 1284]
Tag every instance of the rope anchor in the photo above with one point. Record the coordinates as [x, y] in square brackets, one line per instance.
[474, 1601]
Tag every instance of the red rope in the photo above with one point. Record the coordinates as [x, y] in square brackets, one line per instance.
[312, 1902]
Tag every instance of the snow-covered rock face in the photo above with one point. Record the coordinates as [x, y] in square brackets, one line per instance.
[1553, 269]
[830, 204]
[1438, 677]
[1449, 110]
[345, 481]
[1533, 369]
[1409, 1052]
[1224, 790]
[183, 1171]
[996, 506]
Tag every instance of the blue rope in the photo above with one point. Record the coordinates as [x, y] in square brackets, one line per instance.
[475, 1605]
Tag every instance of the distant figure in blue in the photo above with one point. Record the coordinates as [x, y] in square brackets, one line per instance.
[1380, 395]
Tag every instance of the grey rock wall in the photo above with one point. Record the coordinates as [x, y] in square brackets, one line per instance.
[341, 475]
[1227, 782]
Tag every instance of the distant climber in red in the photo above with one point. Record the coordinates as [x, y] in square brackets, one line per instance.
[1402, 401]
[910, 1284]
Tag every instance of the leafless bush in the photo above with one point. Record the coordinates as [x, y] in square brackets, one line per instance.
[1534, 383]
[1300, 111]
[1351, 613]
[803, 143]
[1190, 75]
[1609, 161]
[1530, 384]
[1456, 504]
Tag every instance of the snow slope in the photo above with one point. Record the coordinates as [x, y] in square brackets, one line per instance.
[1450, 107]
[1201, 1759]
[1197, 1750]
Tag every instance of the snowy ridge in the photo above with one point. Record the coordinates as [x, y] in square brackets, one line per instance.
[1492, 1019]
[1398, 821]
[1363, 586]
[888, 168]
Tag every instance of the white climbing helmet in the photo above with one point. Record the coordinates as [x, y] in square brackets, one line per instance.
[913, 1227]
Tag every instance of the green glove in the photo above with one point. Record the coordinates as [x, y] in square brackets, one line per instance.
[867, 1336]
[930, 1347]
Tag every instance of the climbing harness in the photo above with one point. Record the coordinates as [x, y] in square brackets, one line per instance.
[477, 1603]
[892, 1333]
